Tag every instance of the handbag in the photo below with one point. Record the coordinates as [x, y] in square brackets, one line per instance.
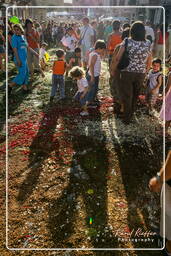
[124, 61]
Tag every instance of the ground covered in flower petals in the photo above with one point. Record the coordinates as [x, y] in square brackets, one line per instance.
[78, 182]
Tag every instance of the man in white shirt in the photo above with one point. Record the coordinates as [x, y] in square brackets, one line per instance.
[149, 31]
[86, 39]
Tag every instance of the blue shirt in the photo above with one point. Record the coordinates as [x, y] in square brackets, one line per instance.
[20, 43]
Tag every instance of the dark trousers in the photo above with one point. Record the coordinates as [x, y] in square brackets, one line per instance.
[130, 84]
[93, 88]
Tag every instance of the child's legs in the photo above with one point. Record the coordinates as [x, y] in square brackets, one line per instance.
[61, 86]
[54, 85]
[96, 86]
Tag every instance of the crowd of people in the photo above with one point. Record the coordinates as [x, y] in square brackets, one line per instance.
[135, 59]
[29, 40]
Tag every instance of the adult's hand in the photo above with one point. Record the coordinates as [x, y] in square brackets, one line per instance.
[154, 185]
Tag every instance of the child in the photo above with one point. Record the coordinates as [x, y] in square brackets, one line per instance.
[153, 83]
[76, 58]
[94, 68]
[167, 108]
[42, 55]
[81, 95]
[59, 67]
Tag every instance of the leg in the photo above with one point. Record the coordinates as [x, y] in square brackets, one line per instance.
[96, 86]
[30, 64]
[138, 80]
[54, 86]
[37, 64]
[61, 87]
[126, 93]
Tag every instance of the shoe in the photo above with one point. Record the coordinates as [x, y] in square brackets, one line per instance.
[83, 113]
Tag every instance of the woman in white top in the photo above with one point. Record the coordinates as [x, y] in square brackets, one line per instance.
[81, 95]
[69, 42]
[94, 67]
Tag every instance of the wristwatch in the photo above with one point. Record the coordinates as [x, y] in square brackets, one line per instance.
[158, 177]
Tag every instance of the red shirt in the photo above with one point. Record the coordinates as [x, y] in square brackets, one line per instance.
[33, 39]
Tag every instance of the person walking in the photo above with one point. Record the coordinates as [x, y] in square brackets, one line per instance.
[86, 39]
[132, 77]
[33, 40]
[21, 49]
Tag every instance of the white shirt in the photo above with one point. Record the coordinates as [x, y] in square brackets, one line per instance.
[149, 32]
[69, 41]
[54, 31]
[97, 66]
[42, 53]
[82, 84]
[86, 34]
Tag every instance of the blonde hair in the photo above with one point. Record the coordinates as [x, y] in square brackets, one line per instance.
[76, 72]
[18, 26]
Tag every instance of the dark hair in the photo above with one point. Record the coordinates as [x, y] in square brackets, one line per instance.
[28, 21]
[116, 25]
[69, 29]
[19, 26]
[125, 33]
[126, 25]
[138, 31]
[77, 49]
[157, 60]
[149, 37]
[76, 72]
[86, 19]
[100, 44]
[60, 53]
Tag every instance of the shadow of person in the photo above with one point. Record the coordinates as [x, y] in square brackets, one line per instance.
[136, 165]
[42, 145]
[79, 217]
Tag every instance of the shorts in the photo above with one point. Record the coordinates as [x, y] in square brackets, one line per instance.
[151, 98]
[82, 101]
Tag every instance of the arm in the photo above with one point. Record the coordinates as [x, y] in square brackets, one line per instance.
[117, 59]
[155, 184]
[91, 67]
[112, 64]
[70, 63]
[79, 63]
[31, 50]
[84, 93]
[17, 57]
[149, 62]
[108, 42]
[158, 84]
[168, 83]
